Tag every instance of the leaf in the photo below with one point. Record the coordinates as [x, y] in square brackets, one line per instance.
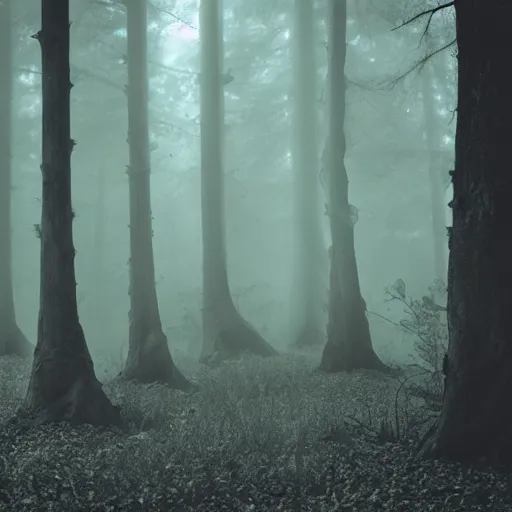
[399, 287]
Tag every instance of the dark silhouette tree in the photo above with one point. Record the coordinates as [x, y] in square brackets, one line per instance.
[12, 339]
[308, 282]
[476, 419]
[225, 332]
[149, 359]
[349, 344]
[62, 384]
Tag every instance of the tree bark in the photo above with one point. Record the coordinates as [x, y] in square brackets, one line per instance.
[149, 359]
[476, 418]
[12, 340]
[63, 386]
[308, 283]
[225, 333]
[349, 344]
[437, 191]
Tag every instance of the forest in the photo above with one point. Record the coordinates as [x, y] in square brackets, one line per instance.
[253, 255]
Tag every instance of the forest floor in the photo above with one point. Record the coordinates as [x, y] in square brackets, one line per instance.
[260, 435]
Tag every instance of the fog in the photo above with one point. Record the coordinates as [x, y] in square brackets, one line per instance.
[388, 158]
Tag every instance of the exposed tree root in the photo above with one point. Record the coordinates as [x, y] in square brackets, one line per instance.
[84, 402]
[151, 361]
[232, 337]
[63, 386]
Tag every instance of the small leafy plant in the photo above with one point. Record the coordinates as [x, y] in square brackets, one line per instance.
[419, 395]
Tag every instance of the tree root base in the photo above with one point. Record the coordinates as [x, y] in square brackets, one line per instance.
[151, 362]
[235, 340]
[84, 403]
[337, 359]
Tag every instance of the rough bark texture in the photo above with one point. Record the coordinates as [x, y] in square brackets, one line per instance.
[349, 344]
[476, 418]
[12, 340]
[149, 359]
[225, 333]
[62, 384]
[435, 171]
[308, 281]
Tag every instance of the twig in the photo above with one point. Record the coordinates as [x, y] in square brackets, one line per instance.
[177, 18]
[421, 63]
[429, 12]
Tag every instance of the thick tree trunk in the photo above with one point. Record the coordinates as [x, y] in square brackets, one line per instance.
[476, 418]
[308, 292]
[435, 170]
[225, 333]
[62, 384]
[349, 344]
[12, 340]
[149, 359]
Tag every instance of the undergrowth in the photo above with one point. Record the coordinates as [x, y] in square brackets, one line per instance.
[425, 319]
[260, 435]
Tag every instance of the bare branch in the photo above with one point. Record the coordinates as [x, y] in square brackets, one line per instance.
[177, 18]
[421, 63]
[430, 13]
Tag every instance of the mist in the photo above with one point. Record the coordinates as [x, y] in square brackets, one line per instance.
[387, 163]
[253, 255]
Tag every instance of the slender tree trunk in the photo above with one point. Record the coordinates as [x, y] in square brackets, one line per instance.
[149, 359]
[98, 306]
[225, 332]
[435, 170]
[476, 418]
[62, 384]
[308, 294]
[349, 344]
[12, 340]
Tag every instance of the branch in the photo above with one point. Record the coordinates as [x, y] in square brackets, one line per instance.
[124, 60]
[421, 63]
[28, 71]
[430, 13]
[177, 18]
[87, 74]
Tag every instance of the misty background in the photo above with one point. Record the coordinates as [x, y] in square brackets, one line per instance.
[387, 162]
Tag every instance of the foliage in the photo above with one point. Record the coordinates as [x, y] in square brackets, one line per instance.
[418, 397]
[259, 435]
[425, 319]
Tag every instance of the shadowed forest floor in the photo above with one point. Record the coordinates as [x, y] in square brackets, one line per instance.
[261, 435]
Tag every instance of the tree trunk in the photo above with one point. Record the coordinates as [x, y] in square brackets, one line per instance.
[149, 359]
[349, 344]
[476, 418]
[308, 293]
[225, 332]
[63, 386]
[435, 171]
[99, 305]
[12, 340]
